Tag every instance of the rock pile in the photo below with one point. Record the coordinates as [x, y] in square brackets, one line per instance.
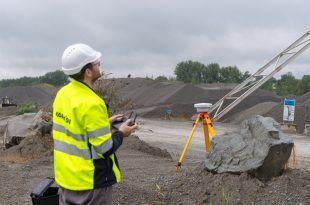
[17, 128]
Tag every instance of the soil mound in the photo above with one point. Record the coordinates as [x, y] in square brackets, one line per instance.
[30, 148]
[133, 142]
[202, 187]
[304, 99]
[7, 111]
[42, 94]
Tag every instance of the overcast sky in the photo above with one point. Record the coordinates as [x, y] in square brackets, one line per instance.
[149, 37]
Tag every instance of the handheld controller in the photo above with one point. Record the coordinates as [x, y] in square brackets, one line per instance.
[132, 117]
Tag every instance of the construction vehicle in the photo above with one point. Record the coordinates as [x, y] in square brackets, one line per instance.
[247, 87]
[6, 102]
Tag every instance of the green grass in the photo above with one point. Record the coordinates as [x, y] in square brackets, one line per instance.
[27, 108]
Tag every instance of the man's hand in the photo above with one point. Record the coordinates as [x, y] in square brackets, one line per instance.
[117, 117]
[127, 129]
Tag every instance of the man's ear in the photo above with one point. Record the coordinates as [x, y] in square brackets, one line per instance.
[88, 72]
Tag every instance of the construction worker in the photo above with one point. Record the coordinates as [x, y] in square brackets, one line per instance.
[85, 163]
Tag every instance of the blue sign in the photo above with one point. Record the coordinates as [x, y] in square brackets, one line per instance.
[289, 109]
[289, 102]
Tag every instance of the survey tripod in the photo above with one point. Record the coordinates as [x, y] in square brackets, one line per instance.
[207, 129]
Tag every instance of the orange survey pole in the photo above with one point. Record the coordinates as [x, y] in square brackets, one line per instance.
[187, 143]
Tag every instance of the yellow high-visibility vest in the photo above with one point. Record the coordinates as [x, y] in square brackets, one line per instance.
[81, 133]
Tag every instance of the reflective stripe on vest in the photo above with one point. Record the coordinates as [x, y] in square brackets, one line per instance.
[85, 153]
[71, 149]
[62, 129]
[101, 149]
[104, 147]
[80, 137]
[99, 132]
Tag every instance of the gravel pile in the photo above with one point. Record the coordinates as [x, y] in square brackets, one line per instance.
[275, 110]
[302, 112]
[42, 94]
[179, 97]
[259, 109]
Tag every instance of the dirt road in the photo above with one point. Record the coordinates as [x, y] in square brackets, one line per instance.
[172, 135]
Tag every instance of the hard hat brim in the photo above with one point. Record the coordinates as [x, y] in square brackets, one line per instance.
[76, 70]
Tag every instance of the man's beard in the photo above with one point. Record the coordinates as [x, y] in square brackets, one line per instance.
[96, 77]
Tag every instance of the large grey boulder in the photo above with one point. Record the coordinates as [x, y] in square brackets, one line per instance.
[259, 147]
[24, 126]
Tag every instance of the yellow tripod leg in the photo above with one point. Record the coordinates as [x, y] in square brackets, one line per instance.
[210, 125]
[187, 143]
[206, 134]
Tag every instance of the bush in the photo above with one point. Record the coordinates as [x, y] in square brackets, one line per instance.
[106, 89]
[27, 108]
[161, 78]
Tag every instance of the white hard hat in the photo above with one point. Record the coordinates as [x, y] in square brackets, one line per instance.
[76, 56]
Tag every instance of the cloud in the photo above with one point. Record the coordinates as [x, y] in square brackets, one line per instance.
[150, 37]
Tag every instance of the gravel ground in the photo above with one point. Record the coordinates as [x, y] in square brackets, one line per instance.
[149, 177]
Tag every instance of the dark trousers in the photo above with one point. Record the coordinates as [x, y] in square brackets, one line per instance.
[100, 196]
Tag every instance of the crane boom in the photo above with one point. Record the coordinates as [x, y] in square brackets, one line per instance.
[248, 86]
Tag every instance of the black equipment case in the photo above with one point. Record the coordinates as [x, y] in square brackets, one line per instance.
[45, 193]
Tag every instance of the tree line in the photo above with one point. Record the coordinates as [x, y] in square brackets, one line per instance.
[196, 73]
[56, 78]
[288, 85]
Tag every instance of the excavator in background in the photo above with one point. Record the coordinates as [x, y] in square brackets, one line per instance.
[6, 102]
